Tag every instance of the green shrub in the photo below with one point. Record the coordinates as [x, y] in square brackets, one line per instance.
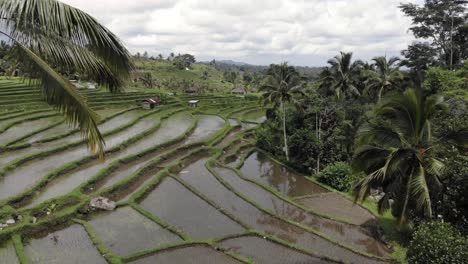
[438, 243]
[339, 176]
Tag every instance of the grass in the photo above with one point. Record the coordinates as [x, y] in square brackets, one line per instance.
[165, 72]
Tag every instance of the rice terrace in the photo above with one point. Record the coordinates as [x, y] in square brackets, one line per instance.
[115, 156]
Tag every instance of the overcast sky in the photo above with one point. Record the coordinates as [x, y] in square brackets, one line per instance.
[302, 32]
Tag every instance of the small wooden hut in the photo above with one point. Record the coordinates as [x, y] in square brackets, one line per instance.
[150, 103]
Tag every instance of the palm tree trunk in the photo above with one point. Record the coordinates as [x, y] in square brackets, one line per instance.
[319, 127]
[286, 150]
[407, 195]
[379, 96]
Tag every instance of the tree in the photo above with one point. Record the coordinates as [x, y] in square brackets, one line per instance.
[438, 21]
[396, 151]
[48, 33]
[279, 87]
[184, 61]
[340, 77]
[147, 80]
[385, 76]
[230, 76]
[205, 75]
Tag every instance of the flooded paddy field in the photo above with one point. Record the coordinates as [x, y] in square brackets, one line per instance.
[189, 187]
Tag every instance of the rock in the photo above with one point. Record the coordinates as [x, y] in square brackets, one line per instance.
[34, 220]
[20, 217]
[102, 203]
[10, 222]
[3, 225]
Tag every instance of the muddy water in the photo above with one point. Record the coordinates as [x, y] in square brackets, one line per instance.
[32, 172]
[188, 255]
[176, 205]
[259, 167]
[8, 254]
[263, 251]
[228, 139]
[207, 126]
[67, 183]
[8, 122]
[351, 235]
[106, 127]
[203, 181]
[71, 245]
[65, 128]
[125, 231]
[170, 129]
[21, 130]
[335, 205]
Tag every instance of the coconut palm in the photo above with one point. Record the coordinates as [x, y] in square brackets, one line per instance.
[279, 87]
[385, 76]
[341, 76]
[396, 150]
[51, 37]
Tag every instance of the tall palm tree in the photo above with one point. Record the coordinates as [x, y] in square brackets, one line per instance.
[385, 75]
[396, 150]
[48, 37]
[341, 76]
[279, 87]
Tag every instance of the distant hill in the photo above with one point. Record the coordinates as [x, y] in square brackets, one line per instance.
[169, 77]
[206, 76]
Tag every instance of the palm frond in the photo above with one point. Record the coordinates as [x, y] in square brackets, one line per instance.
[61, 94]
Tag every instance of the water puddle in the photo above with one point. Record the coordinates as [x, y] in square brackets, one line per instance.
[8, 254]
[65, 128]
[228, 139]
[263, 251]
[335, 205]
[259, 167]
[113, 123]
[70, 245]
[170, 129]
[353, 236]
[66, 183]
[176, 205]
[203, 181]
[207, 126]
[25, 128]
[10, 121]
[188, 255]
[32, 172]
[125, 231]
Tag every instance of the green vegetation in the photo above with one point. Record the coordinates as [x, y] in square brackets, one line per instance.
[91, 50]
[388, 134]
[339, 176]
[171, 78]
[437, 243]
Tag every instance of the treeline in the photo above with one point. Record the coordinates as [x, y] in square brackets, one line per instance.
[372, 129]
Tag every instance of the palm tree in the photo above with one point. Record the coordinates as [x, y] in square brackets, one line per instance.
[385, 75]
[340, 77]
[396, 151]
[279, 87]
[49, 36]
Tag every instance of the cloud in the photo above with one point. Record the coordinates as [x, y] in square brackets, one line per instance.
[304, 32]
